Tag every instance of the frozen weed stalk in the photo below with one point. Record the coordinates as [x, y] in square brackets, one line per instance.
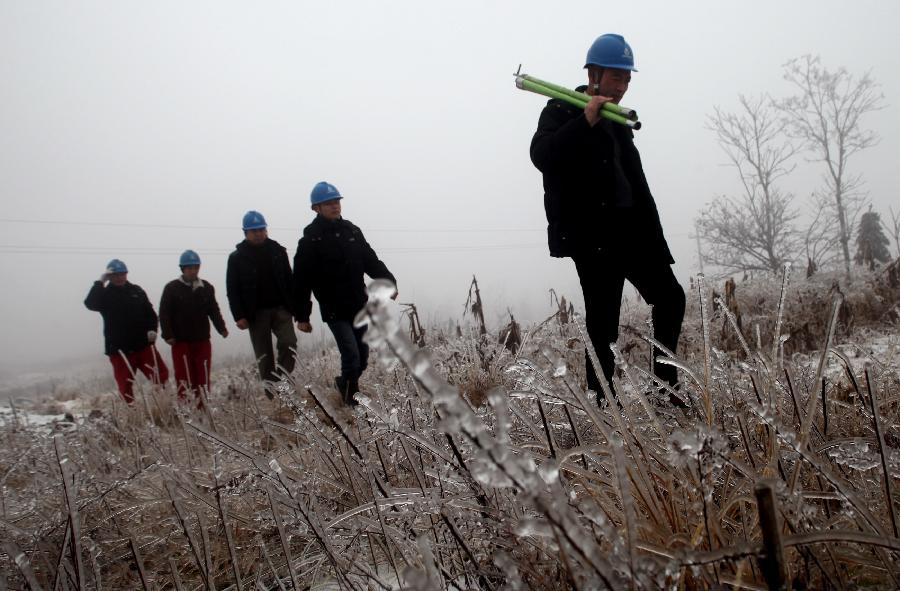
[538, 488]
[512, 470]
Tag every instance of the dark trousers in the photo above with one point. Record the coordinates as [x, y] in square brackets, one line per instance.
[602, 277]
[354, 352]
[126, 365]
[278, 322]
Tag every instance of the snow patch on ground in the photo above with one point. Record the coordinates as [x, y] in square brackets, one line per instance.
[27, 418]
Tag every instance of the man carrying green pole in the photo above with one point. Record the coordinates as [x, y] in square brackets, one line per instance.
[600, 211]
[609, 110]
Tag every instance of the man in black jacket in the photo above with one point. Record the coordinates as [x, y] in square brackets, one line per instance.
[129, 328]
[331, 258]
[258, 283]
[600, 210]
[187, 305]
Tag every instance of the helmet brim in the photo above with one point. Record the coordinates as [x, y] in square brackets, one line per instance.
[321, 201]
[616, 67]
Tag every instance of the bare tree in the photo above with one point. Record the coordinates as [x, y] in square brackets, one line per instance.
[821, 237]
[755, 230]
[826, 115]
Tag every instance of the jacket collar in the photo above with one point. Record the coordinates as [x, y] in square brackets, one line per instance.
[245, 246]
[194, 285]
[325, 223]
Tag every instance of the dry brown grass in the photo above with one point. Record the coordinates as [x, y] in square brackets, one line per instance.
[535, 488]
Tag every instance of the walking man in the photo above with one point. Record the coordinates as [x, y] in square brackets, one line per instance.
[600, 211]
[129, 328]
[332, 257]
[258, 283]
[187, 305]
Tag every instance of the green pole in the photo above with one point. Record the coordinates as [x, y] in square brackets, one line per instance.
[573, 93]
[532, 86]
[615, 117]
[571, 98]
[618, 109]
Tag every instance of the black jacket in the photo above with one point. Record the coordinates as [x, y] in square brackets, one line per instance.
[241, 278]
[581, 183]
[127, 316]
[331, 258]
[185, 312]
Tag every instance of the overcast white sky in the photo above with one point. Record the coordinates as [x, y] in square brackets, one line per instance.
[139, 129]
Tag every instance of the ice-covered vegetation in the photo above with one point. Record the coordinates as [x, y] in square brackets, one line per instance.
[468, 465]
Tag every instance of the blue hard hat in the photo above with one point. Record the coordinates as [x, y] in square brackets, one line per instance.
[253, 220]
[610, 51]
[116, 266]
[323, 192]
[189, 258]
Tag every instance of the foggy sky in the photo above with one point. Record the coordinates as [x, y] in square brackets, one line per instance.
[151, 127]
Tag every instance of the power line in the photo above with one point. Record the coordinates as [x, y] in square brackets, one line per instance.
[111, 224]
[237, 229]
[130, 250]
[32, 249]
[285, 228]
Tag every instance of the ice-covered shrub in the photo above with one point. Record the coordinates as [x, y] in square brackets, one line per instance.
[537, 488]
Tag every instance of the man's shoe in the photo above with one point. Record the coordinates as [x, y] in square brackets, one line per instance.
[677, 401]
[352, 388]
[343, 387]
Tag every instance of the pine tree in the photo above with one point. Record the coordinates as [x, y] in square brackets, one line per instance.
[871, 242]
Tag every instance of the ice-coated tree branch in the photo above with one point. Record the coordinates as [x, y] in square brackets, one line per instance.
[826, 115]
[753, 231]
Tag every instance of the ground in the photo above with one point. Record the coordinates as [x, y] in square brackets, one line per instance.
[467, 465]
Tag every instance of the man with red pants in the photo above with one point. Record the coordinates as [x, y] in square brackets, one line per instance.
[187, 305]
[129, 328]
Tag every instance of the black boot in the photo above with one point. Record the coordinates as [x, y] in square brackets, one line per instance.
[352, 388]
[676, 401]
[342, 384]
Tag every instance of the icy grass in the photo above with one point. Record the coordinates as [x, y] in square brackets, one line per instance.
[776, 475]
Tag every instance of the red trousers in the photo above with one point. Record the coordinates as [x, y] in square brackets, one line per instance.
[147, 361]
[192, 362]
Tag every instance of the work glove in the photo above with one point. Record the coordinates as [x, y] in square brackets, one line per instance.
[151, 336]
